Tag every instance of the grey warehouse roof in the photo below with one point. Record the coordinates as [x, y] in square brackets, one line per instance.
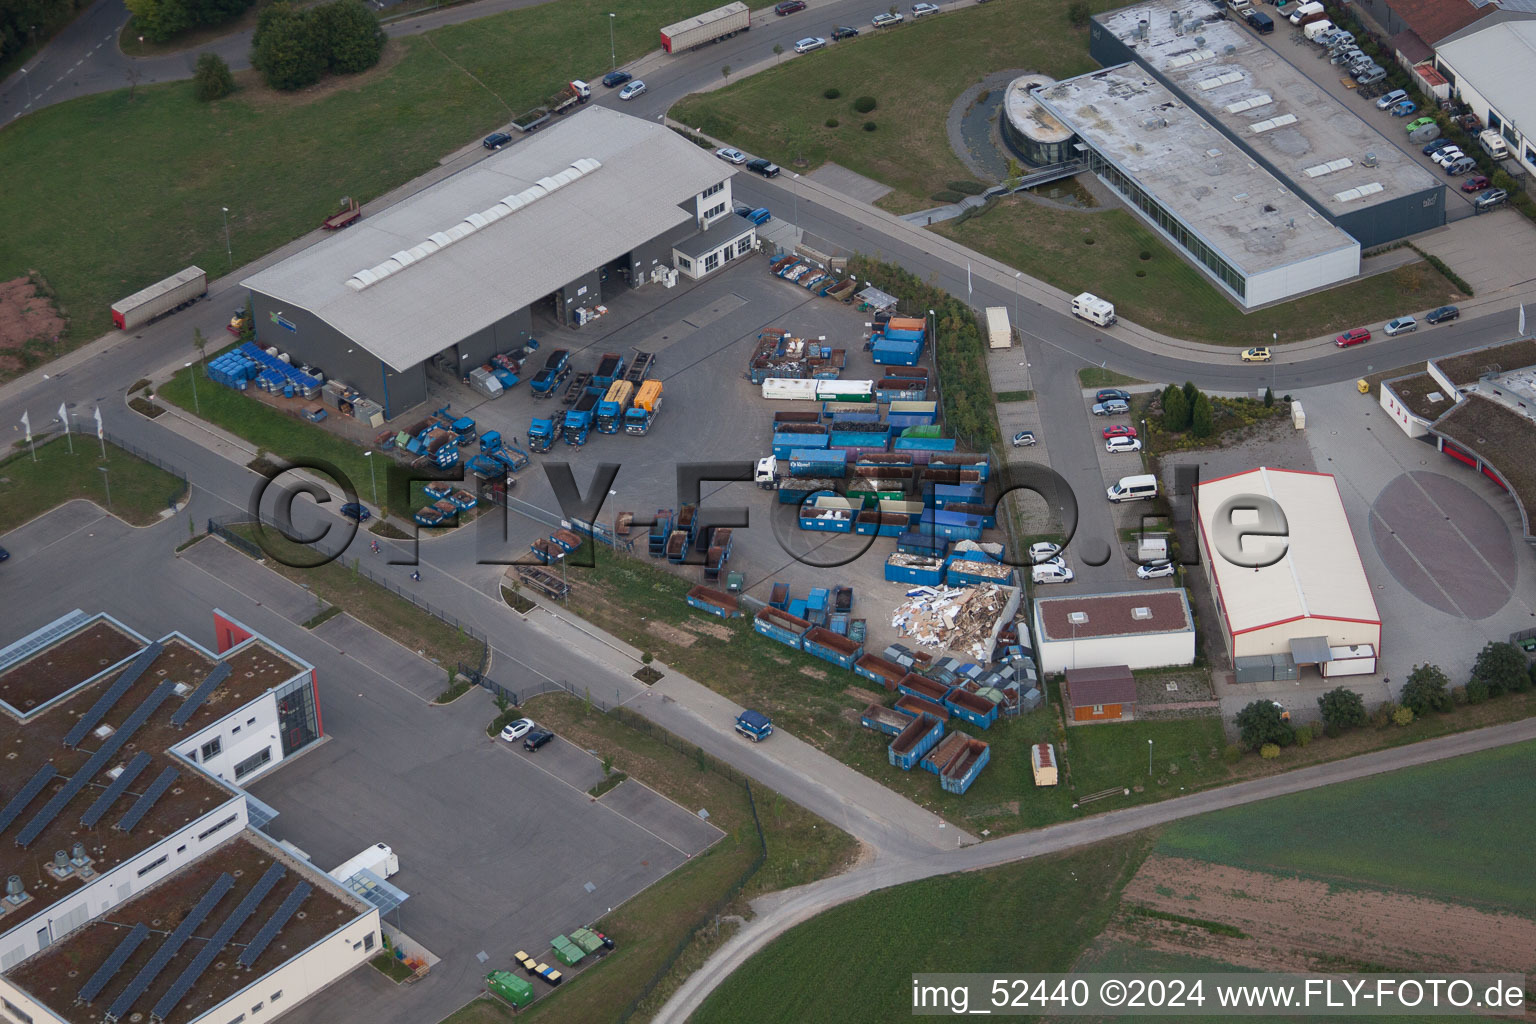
[1500, 63]
[471, 249]
[1241, 82]
[1241, 210]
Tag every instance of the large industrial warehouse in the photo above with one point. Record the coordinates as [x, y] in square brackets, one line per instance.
[1227, 149]
[531, 237]
[1311, 607]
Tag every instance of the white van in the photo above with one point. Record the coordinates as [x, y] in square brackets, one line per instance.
[1493, 144]
[1093, 309]
[1304, 10]
[1318, 29]
[1133, 488]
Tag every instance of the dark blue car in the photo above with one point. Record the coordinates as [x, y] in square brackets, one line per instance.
[356, 512]
[616, 78]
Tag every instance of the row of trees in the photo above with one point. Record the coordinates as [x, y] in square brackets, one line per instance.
[1187, 408]
[1500, 668]
[25, 23]
[292, 48]
[160, 20]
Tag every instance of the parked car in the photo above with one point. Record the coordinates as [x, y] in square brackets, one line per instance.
[1154, 570]
[731, 156]
[1372, 75]
[4, 554]
[1353, 337]
[1042, 551]
[1444, 314]
[1430, 149]
[517, 730]
[1256, 355]
[1461, 165]
[1119, 430]
[1401, 325]
[1393, 97]
[1404, 108]
[1122, 444]
[766, 168]
[1024, 439]
[920, 10]
[1414, 126]
[885, 18]
[496, 140]
[759, 216]
[535, 740]
[788, 7]
[632, 90]
[1488, 200]
[741, 210]
[356, 512]
[1476, 183]
[1446, 155]
[614, 79]
[1111, 395]
[1346, 56]
[844, 32]
[1050, 572]
[810, 43]
[1112, 408]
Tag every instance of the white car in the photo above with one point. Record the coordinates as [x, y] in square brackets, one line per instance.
[1446, 155]
[632, 90]
[1051, 573]
[918, 10]
[1024, 439]
[885, 18]
[810, 43]
[1122, 444]
[1402, 325]
[731, 156]
[1043, 551]
[517, 730]
[1154, 570]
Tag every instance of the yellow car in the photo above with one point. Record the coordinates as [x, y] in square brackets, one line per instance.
[1256, 355]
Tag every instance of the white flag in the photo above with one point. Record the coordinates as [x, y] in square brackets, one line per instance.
[100, 436]
[64, 416]
[967, 277]
[1521, 332]
[26, 424]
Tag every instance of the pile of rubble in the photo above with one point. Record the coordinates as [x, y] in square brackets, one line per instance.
[961, 619]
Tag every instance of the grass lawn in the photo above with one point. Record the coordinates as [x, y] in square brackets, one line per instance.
[855, 962]
[1458, 830]
[915, 72]
[1170, 295]
[1098, 377]
[801, 848]
[357, 595]
[391, 968]
[140, 491]
[101, 222]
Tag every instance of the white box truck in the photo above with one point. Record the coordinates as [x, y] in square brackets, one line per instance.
[378, 858]
[176, 292]
[1317, 28]
[1093, 309]
[999, 331]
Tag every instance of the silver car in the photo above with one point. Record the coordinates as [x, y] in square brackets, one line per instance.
[1114, 407]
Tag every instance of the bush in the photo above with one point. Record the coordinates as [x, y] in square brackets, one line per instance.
[831, 122]
[1141, 273]
[1382, 716]
[946, 196]
[1303, 735]
[1175, 410]
[1232, 754]
[211, 80]
[286, 50]
[832, 94]
[1269, 751]
[1145, 255]
[870, 126]
[1333, 732]
[1260, 723]
[353, 38]
[1426, 690]
[864, 104]
[1342, 709]
[1477, 691]
[1078, 13]
[1458, 695]
[1269, 397]
[1403, 716]
[1202, 419]
[970, 188]
[1502, 668]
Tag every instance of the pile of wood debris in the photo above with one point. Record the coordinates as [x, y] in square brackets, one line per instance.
[952, 618]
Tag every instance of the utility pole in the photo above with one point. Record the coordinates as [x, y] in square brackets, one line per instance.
[613, 54]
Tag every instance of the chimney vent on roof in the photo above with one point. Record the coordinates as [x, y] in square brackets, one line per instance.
[1141, 613]
[1077, 618]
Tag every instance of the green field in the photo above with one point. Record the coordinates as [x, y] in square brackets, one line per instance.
[104, 220]
[1458, 830]
[914, 72]
[855, 962]
[1100, 251]
[140, 491]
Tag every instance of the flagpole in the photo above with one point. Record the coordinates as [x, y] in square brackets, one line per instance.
[26, 424]
[64, 418]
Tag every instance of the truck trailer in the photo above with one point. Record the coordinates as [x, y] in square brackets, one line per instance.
[161, 299]
[709, 27]
[378, 858]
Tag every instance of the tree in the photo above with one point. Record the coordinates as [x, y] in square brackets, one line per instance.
[1202, 419]
[1342, 708]
[159, 20]
[1426, 690]
[778, 49]
[1175, 411]
[286, 50]
[1191, 393]
[350, 34]
[211, 80]
[1501, 667]
[1078, 13]
[1269, 397]
[200, 343]
[1260, 723]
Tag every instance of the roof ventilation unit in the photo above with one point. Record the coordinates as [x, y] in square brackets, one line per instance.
[1077, 618]
[1370, 160]
[1199, 40]
[1141, 613]
[15, 892]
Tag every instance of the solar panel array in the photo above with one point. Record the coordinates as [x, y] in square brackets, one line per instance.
[114, 963]
[169, 948]
[28, 793]
[118, 787]
[95, 765]
[183, 984]
[114, 694]
[275, 924]
[195, 699]
[147, 799]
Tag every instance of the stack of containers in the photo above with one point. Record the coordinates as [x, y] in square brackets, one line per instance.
[899, 342]
[233, 370]
[275, 374]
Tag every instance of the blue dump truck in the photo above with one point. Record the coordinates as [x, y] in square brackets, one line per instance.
[579, 418]
[543, 433]
[557, 367]
[754, 725]
[609, 369]
[493, 447]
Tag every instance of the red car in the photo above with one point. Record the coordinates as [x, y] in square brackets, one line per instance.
[1353, 337]
[1119, 430]
[1476, 183]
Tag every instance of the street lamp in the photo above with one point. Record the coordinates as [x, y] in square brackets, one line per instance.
[228, 248]
[1018, 288]
[797, 201]
[372, 478]
[613, 54]
[196, 406]
[106, 484]
[28, 79]
[1149, 759]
